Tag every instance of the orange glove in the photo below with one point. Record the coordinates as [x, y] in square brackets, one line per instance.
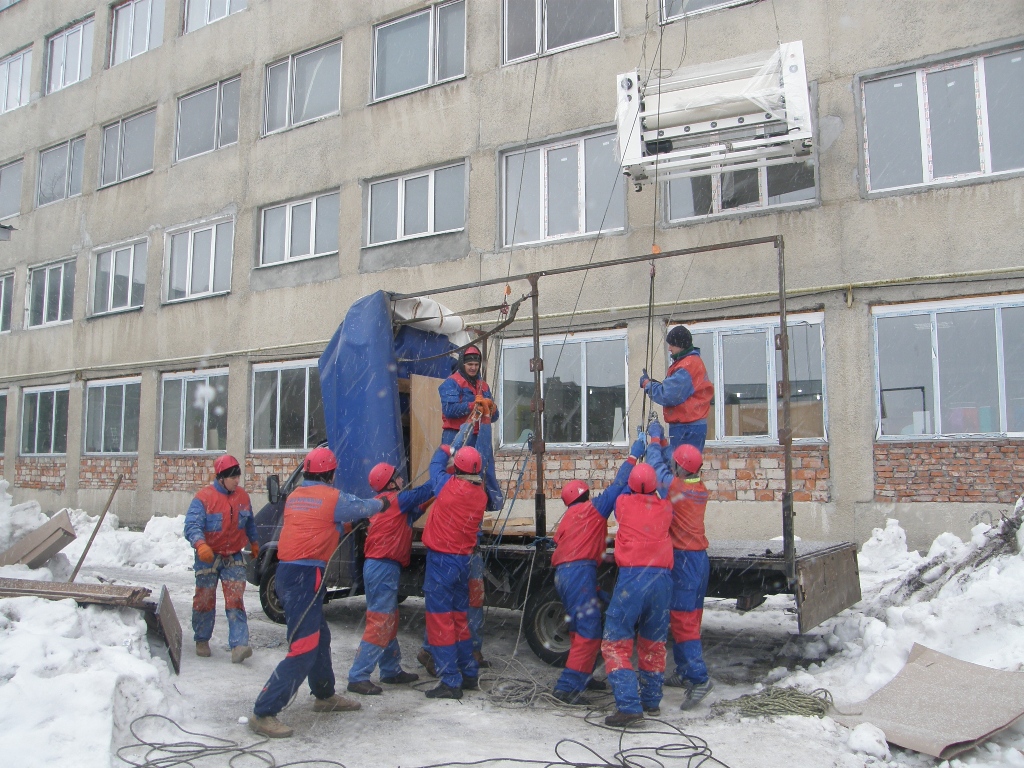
[254, 548]
[204, 552]
[479, 400]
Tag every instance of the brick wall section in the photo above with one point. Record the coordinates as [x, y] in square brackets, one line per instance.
[102, 472]
[731, 473]
[182, 473]
[982, 471]
[45, 473]
[260, 466]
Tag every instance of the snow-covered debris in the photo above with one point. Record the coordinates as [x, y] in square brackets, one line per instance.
[161, 544]
[16, 520]
[870, 740]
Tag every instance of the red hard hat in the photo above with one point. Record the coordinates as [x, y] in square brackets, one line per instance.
[572, 491]
[471, 350]
[688, 458]
[318, 461]
[468, 461]
[224, 463]
[643, 479]
[381, 475]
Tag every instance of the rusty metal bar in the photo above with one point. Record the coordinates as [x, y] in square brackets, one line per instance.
[786, 428]
[537, 366]
[96, 530]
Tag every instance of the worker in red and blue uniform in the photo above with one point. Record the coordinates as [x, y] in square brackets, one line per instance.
[219, 524]
[686, 393]
[640, 603]
[314, 515]
[450, 536]
[683, 487]
[388, 549]
[580, 543]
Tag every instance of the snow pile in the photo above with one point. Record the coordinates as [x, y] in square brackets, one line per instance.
[15, 521]
[161, 544]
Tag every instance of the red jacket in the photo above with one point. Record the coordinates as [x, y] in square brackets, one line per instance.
[224, 520]
[457, 398]
[580, 535]
[697, 405]
[310, 531]
[390, 533]
[689, 500]
[455, 517]
[643, 537]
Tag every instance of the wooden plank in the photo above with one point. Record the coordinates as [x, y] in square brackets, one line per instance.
[36, 547]
[84, 594]
[424, 429]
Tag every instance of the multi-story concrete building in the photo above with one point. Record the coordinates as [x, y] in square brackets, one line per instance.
[200, 188]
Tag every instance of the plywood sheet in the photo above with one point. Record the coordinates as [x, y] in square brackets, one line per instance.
[424, 425]
[36, 547]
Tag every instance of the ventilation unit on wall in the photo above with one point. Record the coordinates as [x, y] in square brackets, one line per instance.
[742, 113]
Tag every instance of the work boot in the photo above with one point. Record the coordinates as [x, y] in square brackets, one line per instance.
[336, 703]
[426, 661]
[572, 698]
[652, 711]
[596, 685]
[365, 688]
[240, 653]
[402, 678]
[203, 648]
[675, 681]
[481, 661]
[696, 693]
[444, 692]
[269, 726]
[623, 719]
[470, 683]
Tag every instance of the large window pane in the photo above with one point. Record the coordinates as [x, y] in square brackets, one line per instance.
[277, 96]
[326, 235]
[6, 302]
[384, 211]
[140, 27]
[229, 96]
[222, 259]
[130, 442]
[60, 422]
[122, 33]
[705, 344]
[790, 183]
[563, 393]
[274, 234]
[53, 293]
[141, 252]
[953, 122]
[111, 137]
[112, 421]
[522, 198]
[563, 204]
[806, 398]
[202, 259]
[894, 132]
[1004, 87]
[67, 293]
[317, 84]
[450, 198]
[197, 396]
[197, 123]
[170, 415]
[316, 424]
[402, 55]
[690, 197]
[137, 154]
[44, 430]
[37, 297]
[302, 223]
[1013, 366]
[10, 189]
[264, 417]
[573, 21]
[905, 375]
[29, 419]
[178, 280]
[451, 40]
[745, 385]
[417, 194]
[516, 393]
[604, 197]
[53, 170]
[740, 189]
[968, 372]
[606, 391]
[122, 278]
[94, 420]
[217, 425]
[520, 28]
[293, 408]
[77, 166]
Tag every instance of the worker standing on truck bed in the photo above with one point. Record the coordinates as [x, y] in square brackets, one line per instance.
[314, 515]
[640, 603]
[387, 550]
[580, 543]
[686, 393]
[219, 524]
[450, 536]
[682, 486]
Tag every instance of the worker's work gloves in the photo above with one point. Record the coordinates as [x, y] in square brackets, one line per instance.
[644, 380]
[638, 449]
[204, 551]
[656, 433]
[485, 406]
[254, 549]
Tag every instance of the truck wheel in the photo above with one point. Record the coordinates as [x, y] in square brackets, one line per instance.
[268, 594]
[546, 628]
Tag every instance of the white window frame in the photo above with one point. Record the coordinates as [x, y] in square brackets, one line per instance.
[929, 309]
[242, 5]
[718, 6]
[289, 206]
[288, 125]
[769, 326]
[541, 48]
[120, 148]
[311, 368]
[24, 60]
[558, 339]
[94, 275]
[981, 109]
[53, 427]
[185, 377]
[218, 118]
[63, 263]
[432, 57]
[131, 33]
[21, 177]
[6, 300]
[401, 205]
[192, 231]
[104, 384]
[70, 145]
[87, 28]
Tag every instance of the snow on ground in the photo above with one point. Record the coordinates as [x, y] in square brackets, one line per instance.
[73, 679]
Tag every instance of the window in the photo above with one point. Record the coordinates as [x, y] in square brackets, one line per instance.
[583, 386]
[6, 3]
[303, 87]
[951, 368]
[6, 301]
[194, 411]
[563, 189]
[69, 57]
[741, 360]
[119, 278]
[138, 27]
[741, 190]
[299, 230]
[958, 120]
[60, 171]
[3, 422]
[15, 77]
[51, 294]
[199, 13]
[44, 421]
[535, 27]
[420, 49]
[418, 204]
[200, 262]
[128, 148]
[287, 409]
[112, 416]
[208, 119]
[10, 189]
[678, 9]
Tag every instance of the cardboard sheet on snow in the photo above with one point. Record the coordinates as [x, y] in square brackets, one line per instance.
[942, 706]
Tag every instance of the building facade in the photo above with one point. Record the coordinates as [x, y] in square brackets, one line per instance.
[199, 189]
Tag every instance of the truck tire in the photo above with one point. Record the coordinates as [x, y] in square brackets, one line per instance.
[546, 627]
[268, 594]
